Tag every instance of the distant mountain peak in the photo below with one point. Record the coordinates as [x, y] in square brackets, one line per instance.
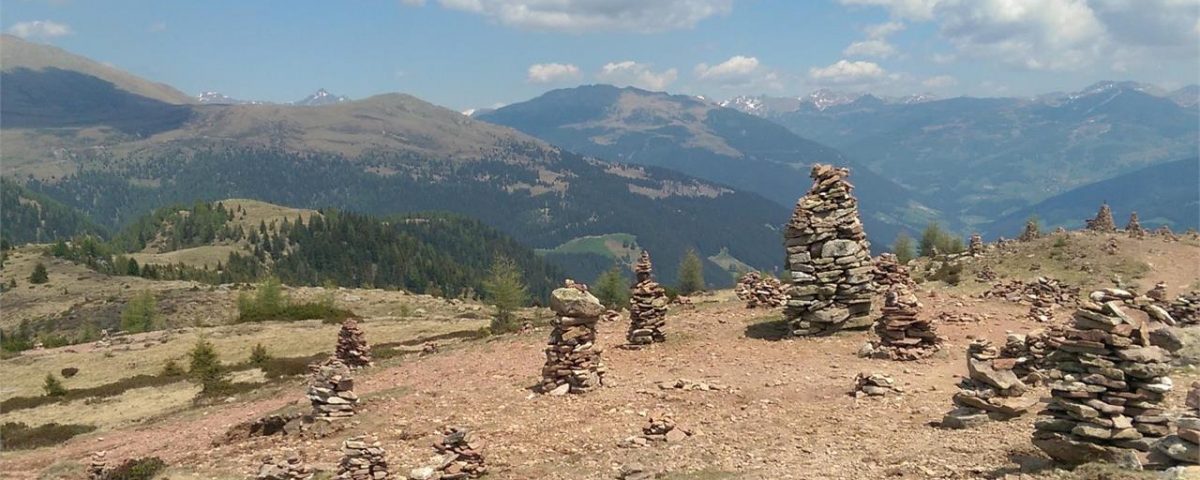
[217, 98]
[322, 97]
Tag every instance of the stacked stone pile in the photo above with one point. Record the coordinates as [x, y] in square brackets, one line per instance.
[975, 247]
[98, 466]
[647, 306]
[1030, 351]
[460, 455]
[1108, 387]
[290, 468]
[992, 388]
[661, 427]
[572, 355]
[889, 271]
[1183, 448]
[1103, 221]
[1186, 308]
[758, 290]
[828, 258]
[986, 275]
[352, 348]
[331, 390]
[362, 459]
[611, 315]
[1111, 246]
[903, 334]
[1164, 232]
[875, 385]
[1041, 291]
[1134, 227]
[1031, 231]
[1159, 292]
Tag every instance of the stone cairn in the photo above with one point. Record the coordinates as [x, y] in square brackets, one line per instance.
[903, 334]
[1030, 351]
[331, 390]
[459, 455]
[572, 356]
[1031, 231]
[1103, 222]
[1108, 387]
[660, 428]
[875, 385]
[760, 291]
[827, 256]
[991, 390]
[290, 468]
[1134, 227]
[98, 466]
[1164, 232]
[1186, 308]
[647, 306]
[889, 272]
[1159, 292]
[352, 348]
[362, 459]
[1183, 448]
[975, 246]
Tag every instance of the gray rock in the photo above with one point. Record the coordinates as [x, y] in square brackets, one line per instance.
[840, 248]
[570, 302]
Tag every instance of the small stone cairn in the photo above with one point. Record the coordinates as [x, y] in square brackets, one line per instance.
[1031, 231]
[660, 428]
[1134, 227]
[1183, 448]
[903, 334]
[97, 466]
[1030, 351]
[759, 291]
[875, 385]
[362, 459]
[572, 356]
[1159, 292]
[352, 348]
[1164, 232]
[647, 306]
[1103, 222]
[1108, 387]
[828, 258]
[290, 468]
[975, 246]
[992, 389]
[459, 454]
[889, 272]
[331, 391]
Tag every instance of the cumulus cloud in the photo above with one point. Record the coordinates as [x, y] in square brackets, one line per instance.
[737, 67]
[577, 16]
[883, 30]
[940, 81]
[40, 29]
[1058, 34]
[845, 72]
[636, 74]
[552, 72]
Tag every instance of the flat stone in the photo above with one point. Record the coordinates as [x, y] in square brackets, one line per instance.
[571, 302]
[982, 371]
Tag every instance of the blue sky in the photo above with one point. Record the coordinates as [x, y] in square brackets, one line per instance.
[478, 53]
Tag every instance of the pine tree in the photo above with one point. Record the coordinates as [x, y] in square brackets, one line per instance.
[611, 289]
[39, 274]
[691, 273]
[506, 290]
[206, 368]
[140, 315]
[53, 386]
[259, 355]
[903, 248]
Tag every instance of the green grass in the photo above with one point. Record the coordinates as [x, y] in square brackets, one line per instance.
[597, 244]
[19, 436]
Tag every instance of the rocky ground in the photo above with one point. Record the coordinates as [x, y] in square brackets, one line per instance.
[758, 406]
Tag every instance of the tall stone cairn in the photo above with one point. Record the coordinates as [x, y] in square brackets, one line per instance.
[290, 468]
[1108, 387]
[572, 355]
[1134, 227]
[1031, 231]
[362, 459]
[331, 390]
[1103, 222]
[647, 306]
[992, 388]
[975, 247]
[828, 257]
[352, 348]
[903, 334]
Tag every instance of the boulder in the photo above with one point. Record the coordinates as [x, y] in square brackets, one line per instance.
[571, 302]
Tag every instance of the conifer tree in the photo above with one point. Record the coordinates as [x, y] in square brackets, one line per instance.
[611, 289]
[506, 290]
[691, 273]
[206, 368]
[39, 274]
[139, 315]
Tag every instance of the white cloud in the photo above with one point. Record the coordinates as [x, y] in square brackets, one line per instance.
[736, 67]
[870, 48]
[552, 72]
[636, 74]
[40, 29]
[576, 16]
[914, 9]
[845, 72]
[940, 81]
[883, 30]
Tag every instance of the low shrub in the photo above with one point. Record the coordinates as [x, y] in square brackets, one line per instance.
[19, 436]
[137, 469]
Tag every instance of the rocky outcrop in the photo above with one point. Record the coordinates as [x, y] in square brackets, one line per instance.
[572, 356]
[352, 348]
[1107, 389]
[647, 306]
[362, 459]
[828, 258]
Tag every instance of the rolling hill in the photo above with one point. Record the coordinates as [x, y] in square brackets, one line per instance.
[380, 155]
[699, 138]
